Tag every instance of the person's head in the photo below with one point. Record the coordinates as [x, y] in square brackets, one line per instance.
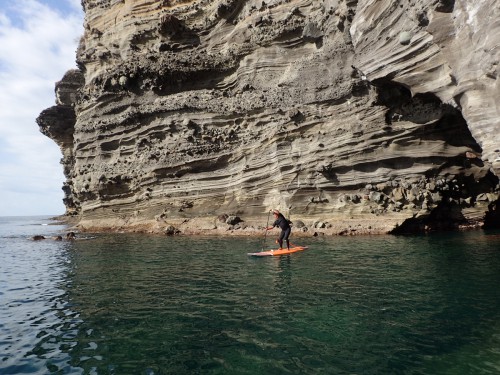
[276, 213]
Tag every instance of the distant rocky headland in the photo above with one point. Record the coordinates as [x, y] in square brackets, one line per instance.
[350, 117]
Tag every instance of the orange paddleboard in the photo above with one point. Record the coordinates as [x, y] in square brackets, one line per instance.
[276, 252]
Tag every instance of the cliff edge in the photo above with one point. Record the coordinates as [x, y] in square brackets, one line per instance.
[368, 116]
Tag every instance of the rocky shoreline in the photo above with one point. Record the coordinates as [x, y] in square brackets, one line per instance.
[254, 227]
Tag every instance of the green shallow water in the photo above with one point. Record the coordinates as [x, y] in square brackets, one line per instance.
[131, 304]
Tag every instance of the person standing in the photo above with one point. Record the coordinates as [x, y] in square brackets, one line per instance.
[286, 229]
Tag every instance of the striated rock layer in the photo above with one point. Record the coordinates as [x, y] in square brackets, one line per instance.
[349, 116]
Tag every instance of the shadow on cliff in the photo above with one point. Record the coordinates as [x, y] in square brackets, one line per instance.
[492, 216]
[436, 122]
[448, 215]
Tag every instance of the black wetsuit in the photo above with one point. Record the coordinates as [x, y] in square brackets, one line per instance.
[285, 230]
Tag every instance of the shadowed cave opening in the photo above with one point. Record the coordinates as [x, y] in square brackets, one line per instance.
[438, 121]
[492, 216]
[448, 215]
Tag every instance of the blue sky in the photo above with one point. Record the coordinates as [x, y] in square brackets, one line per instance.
[38, 40]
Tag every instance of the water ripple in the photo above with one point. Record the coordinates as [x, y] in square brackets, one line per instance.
[125, 304]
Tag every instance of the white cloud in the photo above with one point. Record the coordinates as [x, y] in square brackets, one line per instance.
[37, 46]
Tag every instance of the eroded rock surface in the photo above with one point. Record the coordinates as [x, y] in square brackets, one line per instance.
[349, 116]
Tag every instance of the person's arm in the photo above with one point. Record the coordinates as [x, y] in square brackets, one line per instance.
[271, 227]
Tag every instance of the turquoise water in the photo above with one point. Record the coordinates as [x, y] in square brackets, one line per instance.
[132, 304]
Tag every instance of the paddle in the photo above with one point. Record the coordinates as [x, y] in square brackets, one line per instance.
[265, 235]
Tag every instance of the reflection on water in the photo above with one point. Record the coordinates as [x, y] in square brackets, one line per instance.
[126, 304]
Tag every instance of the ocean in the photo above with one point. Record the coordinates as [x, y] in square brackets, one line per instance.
[144, 304]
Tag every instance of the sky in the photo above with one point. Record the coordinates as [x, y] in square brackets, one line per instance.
[38, 41]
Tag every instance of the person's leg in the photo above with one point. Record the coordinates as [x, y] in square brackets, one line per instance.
[287, 234]
[280, 239]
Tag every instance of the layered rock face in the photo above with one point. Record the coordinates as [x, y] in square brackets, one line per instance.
[349, 116]
[58, 123]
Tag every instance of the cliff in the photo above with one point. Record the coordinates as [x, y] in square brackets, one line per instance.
[349, 116]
